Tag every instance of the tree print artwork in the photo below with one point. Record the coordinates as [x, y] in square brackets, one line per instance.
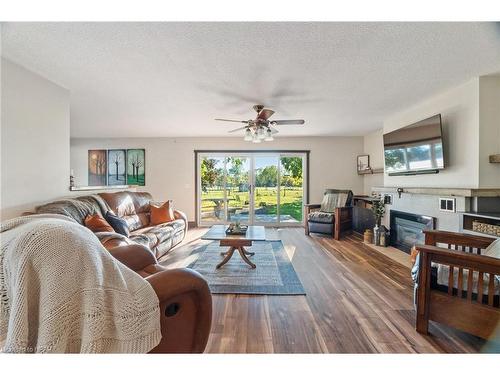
[136, 167]
[97, 167]
[117, 171]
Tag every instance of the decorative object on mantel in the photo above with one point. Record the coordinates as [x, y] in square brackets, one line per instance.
[378, 209]
[363, 163]
[400, 191]
[368, 236]
[71, 179]
[495, 158]
[384, 236]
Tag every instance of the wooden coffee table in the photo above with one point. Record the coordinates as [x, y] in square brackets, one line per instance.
[236, 242]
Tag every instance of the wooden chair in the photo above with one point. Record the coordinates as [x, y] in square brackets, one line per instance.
[476, 313]
[333, 223]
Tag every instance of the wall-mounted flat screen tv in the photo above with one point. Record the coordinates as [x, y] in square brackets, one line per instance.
[415, 149]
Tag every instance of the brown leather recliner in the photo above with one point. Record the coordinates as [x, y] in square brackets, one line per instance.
[185, 299]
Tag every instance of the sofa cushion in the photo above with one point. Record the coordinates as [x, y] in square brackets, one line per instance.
[118, 224]
[147, 239]
[96, 223]
[162, 234]
[178, 225]
[120, 203]
[124, 204]
[321, 217]
[141, 202]
[162, 214]
[154, 236]
[76, 208]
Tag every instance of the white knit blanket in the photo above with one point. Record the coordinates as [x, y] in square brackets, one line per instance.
[62, 292]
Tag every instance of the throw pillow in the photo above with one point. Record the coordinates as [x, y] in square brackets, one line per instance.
[329, 202]
[118, 224]
[162, 214]
[96, 223]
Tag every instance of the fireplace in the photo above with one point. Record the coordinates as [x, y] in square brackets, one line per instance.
[406, 229]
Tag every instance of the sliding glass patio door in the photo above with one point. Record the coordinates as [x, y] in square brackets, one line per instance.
[252, 188]
[266, 189]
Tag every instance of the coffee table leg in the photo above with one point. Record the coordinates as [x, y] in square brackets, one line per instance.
[227, 255]
[249, 253]
[243, 253]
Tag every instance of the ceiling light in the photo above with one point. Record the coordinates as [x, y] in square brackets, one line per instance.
[255, 138]
[261, 134]
[248, 135]
[269, 135]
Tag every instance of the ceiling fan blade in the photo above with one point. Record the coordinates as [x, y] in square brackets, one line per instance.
[288, 122]
[238, 129]
[265, 114]
[223, 119]
[274, 131]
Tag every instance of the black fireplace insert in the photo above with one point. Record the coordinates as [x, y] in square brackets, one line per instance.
[406, 229]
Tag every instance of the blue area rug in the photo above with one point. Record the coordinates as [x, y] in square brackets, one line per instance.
[274, 273]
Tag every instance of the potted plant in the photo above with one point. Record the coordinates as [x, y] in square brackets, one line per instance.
[378, 209]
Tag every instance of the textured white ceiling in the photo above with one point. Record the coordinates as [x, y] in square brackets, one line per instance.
[173, 79]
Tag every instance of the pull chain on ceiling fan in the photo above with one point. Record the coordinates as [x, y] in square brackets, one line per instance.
[261, 128]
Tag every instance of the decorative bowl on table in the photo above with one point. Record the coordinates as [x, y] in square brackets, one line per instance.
[236, 229]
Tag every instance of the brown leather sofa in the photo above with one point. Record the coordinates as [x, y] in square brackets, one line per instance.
[134, 208]
[185, 299]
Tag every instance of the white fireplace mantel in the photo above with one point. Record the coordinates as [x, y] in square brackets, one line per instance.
[450, 192]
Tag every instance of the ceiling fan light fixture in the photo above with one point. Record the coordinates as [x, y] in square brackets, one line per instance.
[269, 136]
[256, 138]
[248, 135]
[261, 134]
[259, 130]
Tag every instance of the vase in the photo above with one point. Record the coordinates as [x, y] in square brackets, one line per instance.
[376, 235]
[383, 232]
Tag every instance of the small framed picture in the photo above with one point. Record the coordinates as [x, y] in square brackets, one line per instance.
[363, 163]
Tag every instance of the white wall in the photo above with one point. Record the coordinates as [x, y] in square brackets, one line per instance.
[35, 140]
[373, 145]
[170, 166]
[489, 130]
[459, 109]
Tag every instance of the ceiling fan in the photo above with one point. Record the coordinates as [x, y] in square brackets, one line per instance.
[261, 128]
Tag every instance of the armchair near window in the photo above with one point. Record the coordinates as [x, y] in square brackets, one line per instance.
[333, 216]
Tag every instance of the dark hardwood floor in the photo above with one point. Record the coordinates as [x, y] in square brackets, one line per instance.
[358, 301]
